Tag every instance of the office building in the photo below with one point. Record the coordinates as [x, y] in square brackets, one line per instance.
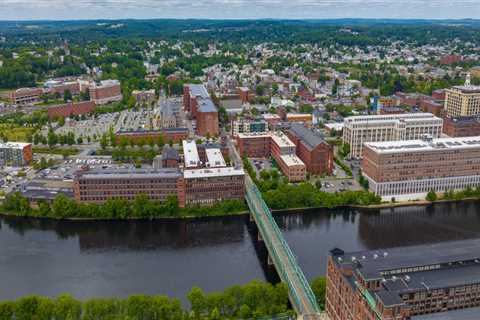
[15, 154]
[206, 186]
[312, 149]
[102, 185]
[410, 169]
[438, 281]
[105, 91]
[358, 130]
[463, 101]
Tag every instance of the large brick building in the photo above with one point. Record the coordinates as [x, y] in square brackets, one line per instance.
[254, 145]
[428, 282]
[410, 169]
[314, 151]
[461, 126]
[24, 96]
[71, 109]
[169, 134]
[106, 91]
[198, 103]
[283, 151]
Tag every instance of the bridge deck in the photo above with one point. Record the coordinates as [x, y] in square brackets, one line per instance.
[301, 295]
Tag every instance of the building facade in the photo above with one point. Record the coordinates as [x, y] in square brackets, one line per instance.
[358, 130]
[24, 96]
[198, 103]
[248, 126]
[254, 145]
[461, 126]
[410, 169]
[15, 154]
[438, 281]
[106, 91]
[462, 101]
[312, 149]
[71, 109]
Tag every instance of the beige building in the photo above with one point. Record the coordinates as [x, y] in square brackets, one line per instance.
[463, 100]
[358, 130]
[410, 169]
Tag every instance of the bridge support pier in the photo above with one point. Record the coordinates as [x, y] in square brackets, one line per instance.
[269, 261]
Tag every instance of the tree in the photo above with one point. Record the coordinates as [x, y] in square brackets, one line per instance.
[67, 96]
[52, 138]
[431, 196]
[318, 184]
[260, 90]
[104, 141]
[318, 288]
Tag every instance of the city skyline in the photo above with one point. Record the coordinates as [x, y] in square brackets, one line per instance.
[237, 9]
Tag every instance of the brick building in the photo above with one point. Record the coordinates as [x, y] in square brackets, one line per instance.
[169, 134]
[106, 91]
[427, 282]
[244, 94]
[198, 103]
[71, 109]
[147, 97]
[254, 145]
[25, 96]
[410, 169]
[99, 186]
[15, 154]
[432, 106]
[283, 151]
[450, 59]
[461, 126]
[312, 149]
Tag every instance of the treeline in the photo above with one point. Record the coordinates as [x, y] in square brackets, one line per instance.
[63, 207]
[251, 301]
[279, 194]
[454, 195]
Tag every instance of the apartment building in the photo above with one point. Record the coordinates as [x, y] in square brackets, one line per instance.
[312, 149]
[463, 100]
[427, 282]
[15, 154]
[102, 185]
[358, 130]
[410, 169]
[248, 126]
[206, 186]
[105, 91]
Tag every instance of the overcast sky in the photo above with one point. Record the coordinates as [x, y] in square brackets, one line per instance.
[235, 9]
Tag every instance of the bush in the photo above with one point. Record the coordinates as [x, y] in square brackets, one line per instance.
[431, 196]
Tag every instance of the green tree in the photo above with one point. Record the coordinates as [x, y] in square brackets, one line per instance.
[431, 196]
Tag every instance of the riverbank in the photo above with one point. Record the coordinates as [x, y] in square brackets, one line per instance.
[253, 300]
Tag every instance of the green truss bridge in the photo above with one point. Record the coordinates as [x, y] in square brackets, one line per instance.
[301, 295]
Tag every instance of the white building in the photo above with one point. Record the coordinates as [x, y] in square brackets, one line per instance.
[360, 129]
[190, 154]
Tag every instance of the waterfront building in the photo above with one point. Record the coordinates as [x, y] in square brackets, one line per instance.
[463, 100]
[439, 281]
[358, 130]
[312, 149]
[15, 154]
[102, 185]
[410, 169]
[105, 91]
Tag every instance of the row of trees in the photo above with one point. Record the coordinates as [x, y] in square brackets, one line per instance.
[253, 300]
[63, 207]
[454, 195]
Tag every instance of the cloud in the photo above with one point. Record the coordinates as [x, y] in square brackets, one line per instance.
[111, 9]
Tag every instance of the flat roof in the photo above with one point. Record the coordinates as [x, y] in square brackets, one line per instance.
[255, 135]
[467, 89]
[14, 145]
[198, 90]
[282, 140]
[190, 154]
[439, 144]
[206, 105]
[131, 174]
[292, 160]
[213, 172]
[215, 158]
[461, 314]
[391, 117]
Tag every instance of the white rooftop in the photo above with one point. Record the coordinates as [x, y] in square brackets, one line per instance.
[292, 160]
[215, 158]
[282, 140]
[13, 145]
[190, 154]
[425, 145]
[391, 117]
[212, 172]
[254, 135]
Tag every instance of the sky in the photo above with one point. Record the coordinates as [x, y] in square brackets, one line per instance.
[237, 9]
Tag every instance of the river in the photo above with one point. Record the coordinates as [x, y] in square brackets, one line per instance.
[103, 259]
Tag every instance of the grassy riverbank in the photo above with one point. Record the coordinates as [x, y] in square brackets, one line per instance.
[251, 301]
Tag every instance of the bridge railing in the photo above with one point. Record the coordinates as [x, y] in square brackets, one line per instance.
[255, 197]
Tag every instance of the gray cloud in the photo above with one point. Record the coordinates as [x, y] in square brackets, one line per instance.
[234, 9]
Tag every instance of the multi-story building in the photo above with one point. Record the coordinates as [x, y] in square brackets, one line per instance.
[15, 154]
[191, 159]
[100, 186]
[144, 96]
[248, 126]
[299, 117]
[461, 126]
[358, 130]
[198, 103]
[254, 145]
[312, 149]
[106, 91]
[168, 135]
[427, 282]
[71, 109]
[463, 100]
[168, 159]
[25, 96]
[283, 151]
[207, 186]
[410, 169]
